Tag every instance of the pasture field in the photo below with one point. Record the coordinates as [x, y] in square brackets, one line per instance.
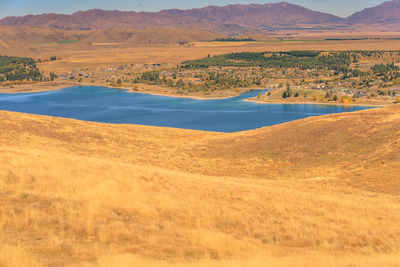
[74, 57]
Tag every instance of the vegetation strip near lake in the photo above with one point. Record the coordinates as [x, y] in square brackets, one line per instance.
[335, 77]
[348, 77]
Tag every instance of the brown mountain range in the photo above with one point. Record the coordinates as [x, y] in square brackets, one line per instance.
[208, 18]
[212, 18]
[51, 35]
[386, 13]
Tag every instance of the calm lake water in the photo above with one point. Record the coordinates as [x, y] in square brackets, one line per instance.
[102, 104]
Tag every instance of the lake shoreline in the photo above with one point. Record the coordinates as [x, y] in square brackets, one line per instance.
[108, 105]
[252, 100]
[55, 86]
[177, 95]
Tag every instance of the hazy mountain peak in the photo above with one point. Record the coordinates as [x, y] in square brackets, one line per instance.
[385, 13]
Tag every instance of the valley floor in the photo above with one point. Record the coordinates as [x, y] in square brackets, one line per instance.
[322, 191]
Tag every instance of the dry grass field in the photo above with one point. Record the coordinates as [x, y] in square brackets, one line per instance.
[73, 56]
[323, 191]
[112, 48]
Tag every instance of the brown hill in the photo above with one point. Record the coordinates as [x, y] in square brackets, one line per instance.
[41, 35]
[280, 14]
[322, 191]
[101, 19]
[208, 18]
[386, 13]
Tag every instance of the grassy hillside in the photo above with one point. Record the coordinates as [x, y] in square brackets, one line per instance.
[322, 191]
[30, 40]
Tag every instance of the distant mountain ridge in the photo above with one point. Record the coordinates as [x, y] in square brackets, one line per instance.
[386, 13]
[208, 18]
[211, 18]
[258, 15]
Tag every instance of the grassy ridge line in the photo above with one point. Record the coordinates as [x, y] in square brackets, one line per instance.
[77, 192]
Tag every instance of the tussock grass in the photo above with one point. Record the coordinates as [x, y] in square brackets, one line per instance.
[316, 192]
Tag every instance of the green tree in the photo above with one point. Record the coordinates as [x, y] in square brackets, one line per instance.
[170, 83]
[180, 83]
[327, 95]
[289, 91]
[52, 76]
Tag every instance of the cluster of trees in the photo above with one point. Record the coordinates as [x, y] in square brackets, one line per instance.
[338, 61]
[302, 53]
[330, 96]
[230, 80]
[382, 69]
[151, 76]
[288, 92]
[154, 77]
[18, 69]
[210, 81]
[51, 77]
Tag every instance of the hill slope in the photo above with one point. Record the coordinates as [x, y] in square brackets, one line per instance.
[386, 13]
[280, 14]
[319, 191]
[39, 35]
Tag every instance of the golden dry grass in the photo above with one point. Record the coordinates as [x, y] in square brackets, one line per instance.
[316, 192]
[74, 56]
[80, 55]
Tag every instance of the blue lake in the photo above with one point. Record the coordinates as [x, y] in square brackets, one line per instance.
[102, 104]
